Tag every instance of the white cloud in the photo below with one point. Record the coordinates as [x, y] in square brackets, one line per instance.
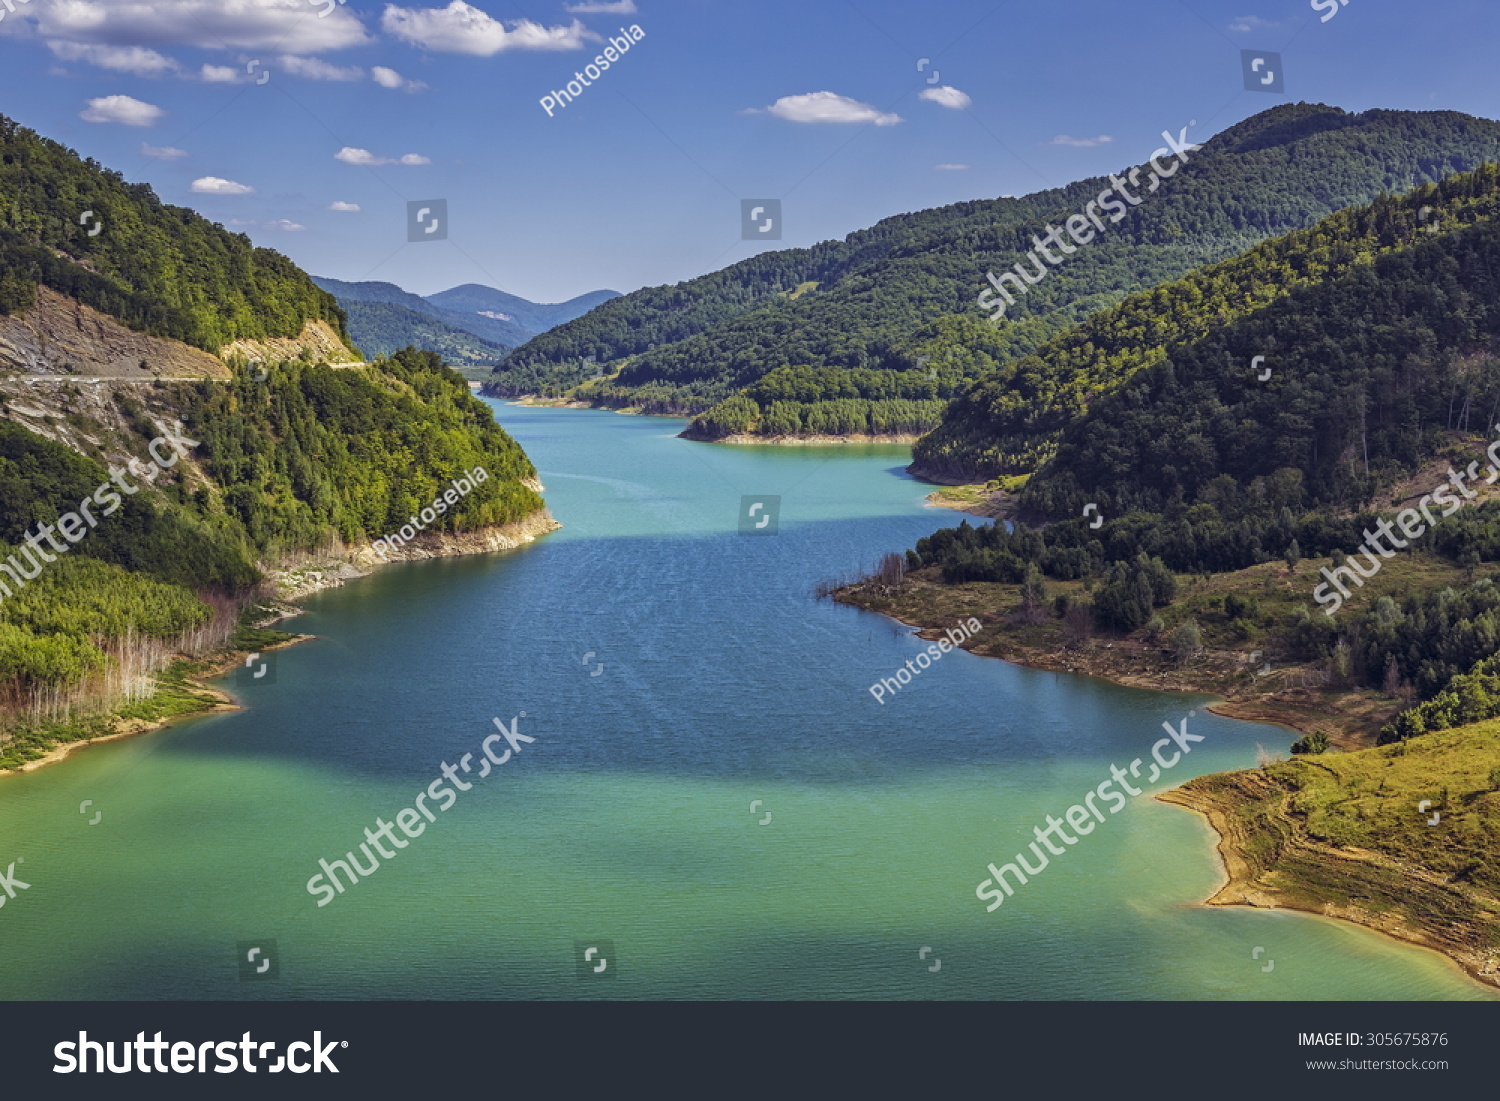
[126, 110]
[343, 207]
[945, 97]
[162, 152]
[1081, 143]
[279, 223]
[389, 78]
[136, 60]
[608, 7]
[365, 159]
[461, 28]
[313, 68]
[285, 26]
[219, 74]
[828, 107]
[215, 185]
[950, 168]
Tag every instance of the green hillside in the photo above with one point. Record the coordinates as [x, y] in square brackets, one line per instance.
[295, 457]
[1221, 501]
[878, 299]
[383, 328]
[1342, 834]
[283, 464]
[1012, 420]
[1370, 326]
[159, 269]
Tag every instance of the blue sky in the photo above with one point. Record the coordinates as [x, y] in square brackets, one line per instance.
[638, 181]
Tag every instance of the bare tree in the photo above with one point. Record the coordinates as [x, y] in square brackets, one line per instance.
[892, 570]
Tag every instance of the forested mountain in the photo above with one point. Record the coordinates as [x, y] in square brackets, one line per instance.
[496, 321]
[1010, 421]
[282, 464]
[159, 269]
[1380, 330]
[506, 334]
[285, 456]
[1383, 338]
[383, 328]
[535, 317]
[878, 299]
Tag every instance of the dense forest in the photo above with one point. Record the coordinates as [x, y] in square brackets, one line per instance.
[1011, 420]
[811, 401]
[306, 455]
[867, 302]
[159, 269]
[314, 452]
[1369, 368]
[383, 328]
[1383, 339]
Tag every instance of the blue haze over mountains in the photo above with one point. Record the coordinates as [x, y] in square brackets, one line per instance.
[494, 321]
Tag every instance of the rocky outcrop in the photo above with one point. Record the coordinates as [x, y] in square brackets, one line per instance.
[59, 336]
[449, 544]
[317, 337]
[307, 574]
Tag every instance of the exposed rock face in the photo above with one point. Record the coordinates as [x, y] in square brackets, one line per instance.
[84, 413]
[60, 336]
[308, 574]
[317, 337]
[451, 544]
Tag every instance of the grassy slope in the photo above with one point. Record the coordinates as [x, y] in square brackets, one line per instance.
[1341, 834]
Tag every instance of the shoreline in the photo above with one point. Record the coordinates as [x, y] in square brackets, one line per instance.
[987, 504]
[1239, 885]
[294, 582]
[218, 700]
[1284, 714]
[741, 438]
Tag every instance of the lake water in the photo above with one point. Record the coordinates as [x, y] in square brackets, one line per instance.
[673, 673]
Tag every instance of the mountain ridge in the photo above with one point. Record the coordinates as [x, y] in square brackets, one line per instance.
[891, 297]
[498, 320]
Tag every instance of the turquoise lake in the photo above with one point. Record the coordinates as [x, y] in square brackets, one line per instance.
[672, 672]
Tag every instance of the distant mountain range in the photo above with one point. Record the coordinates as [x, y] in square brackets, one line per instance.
[467, 324]
[870, 334]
